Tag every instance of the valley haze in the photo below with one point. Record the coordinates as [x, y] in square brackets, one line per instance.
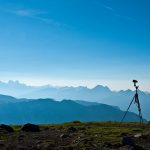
[100, 94]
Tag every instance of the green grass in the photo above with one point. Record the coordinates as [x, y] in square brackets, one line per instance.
[93, 134]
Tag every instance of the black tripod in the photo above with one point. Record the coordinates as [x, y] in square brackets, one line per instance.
[137, 102]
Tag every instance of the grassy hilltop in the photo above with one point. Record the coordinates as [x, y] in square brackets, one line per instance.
[77, 136]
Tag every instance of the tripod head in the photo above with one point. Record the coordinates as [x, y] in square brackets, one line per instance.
[135, 82]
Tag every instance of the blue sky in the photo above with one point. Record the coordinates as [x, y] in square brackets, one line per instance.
[75, 42]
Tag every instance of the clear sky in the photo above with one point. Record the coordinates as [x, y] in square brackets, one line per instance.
[75, 42]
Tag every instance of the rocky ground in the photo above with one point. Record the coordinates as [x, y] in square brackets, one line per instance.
[76, 136]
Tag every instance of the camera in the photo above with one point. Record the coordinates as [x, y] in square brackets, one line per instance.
[135, 82]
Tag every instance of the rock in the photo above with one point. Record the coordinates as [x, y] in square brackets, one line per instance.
[124, 134]
[117, 145]
[128, 147]
[50, 146]
[138, 148]
[145, 137]
[69, 148]
[128, 140]
[6, 128]
[2, 143]
[138, 135]
[108, 145]
[21, 148]
[72, 129]
[36, 148]
[64, 136]
[30, 128]
[114, 146]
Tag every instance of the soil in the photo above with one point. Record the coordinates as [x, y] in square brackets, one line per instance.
[76, 136]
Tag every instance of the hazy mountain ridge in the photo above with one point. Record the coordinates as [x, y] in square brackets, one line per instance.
[98, 94]
[44, 111]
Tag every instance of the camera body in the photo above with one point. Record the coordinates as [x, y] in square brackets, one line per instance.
[135, 82]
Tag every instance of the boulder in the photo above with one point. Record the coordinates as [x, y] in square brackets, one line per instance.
[128, 140]
[6, 128]
[72, 129]
[30, 128]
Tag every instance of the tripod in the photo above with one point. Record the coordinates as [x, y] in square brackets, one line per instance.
[137, 102]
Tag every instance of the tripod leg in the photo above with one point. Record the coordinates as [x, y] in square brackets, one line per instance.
[141, 118]
[127, 109]
[139, 108]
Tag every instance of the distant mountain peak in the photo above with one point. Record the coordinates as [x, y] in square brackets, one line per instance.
[101, 87]
[13, 82]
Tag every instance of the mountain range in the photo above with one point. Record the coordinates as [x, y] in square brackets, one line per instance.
[98, 94]
[45, 111]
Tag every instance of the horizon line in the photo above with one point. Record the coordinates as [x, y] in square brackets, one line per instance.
[69, 86]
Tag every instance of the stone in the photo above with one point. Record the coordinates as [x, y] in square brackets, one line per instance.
[30, 128]
[6, 128]
[128, 140]
[64, 136]
[72, 129]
